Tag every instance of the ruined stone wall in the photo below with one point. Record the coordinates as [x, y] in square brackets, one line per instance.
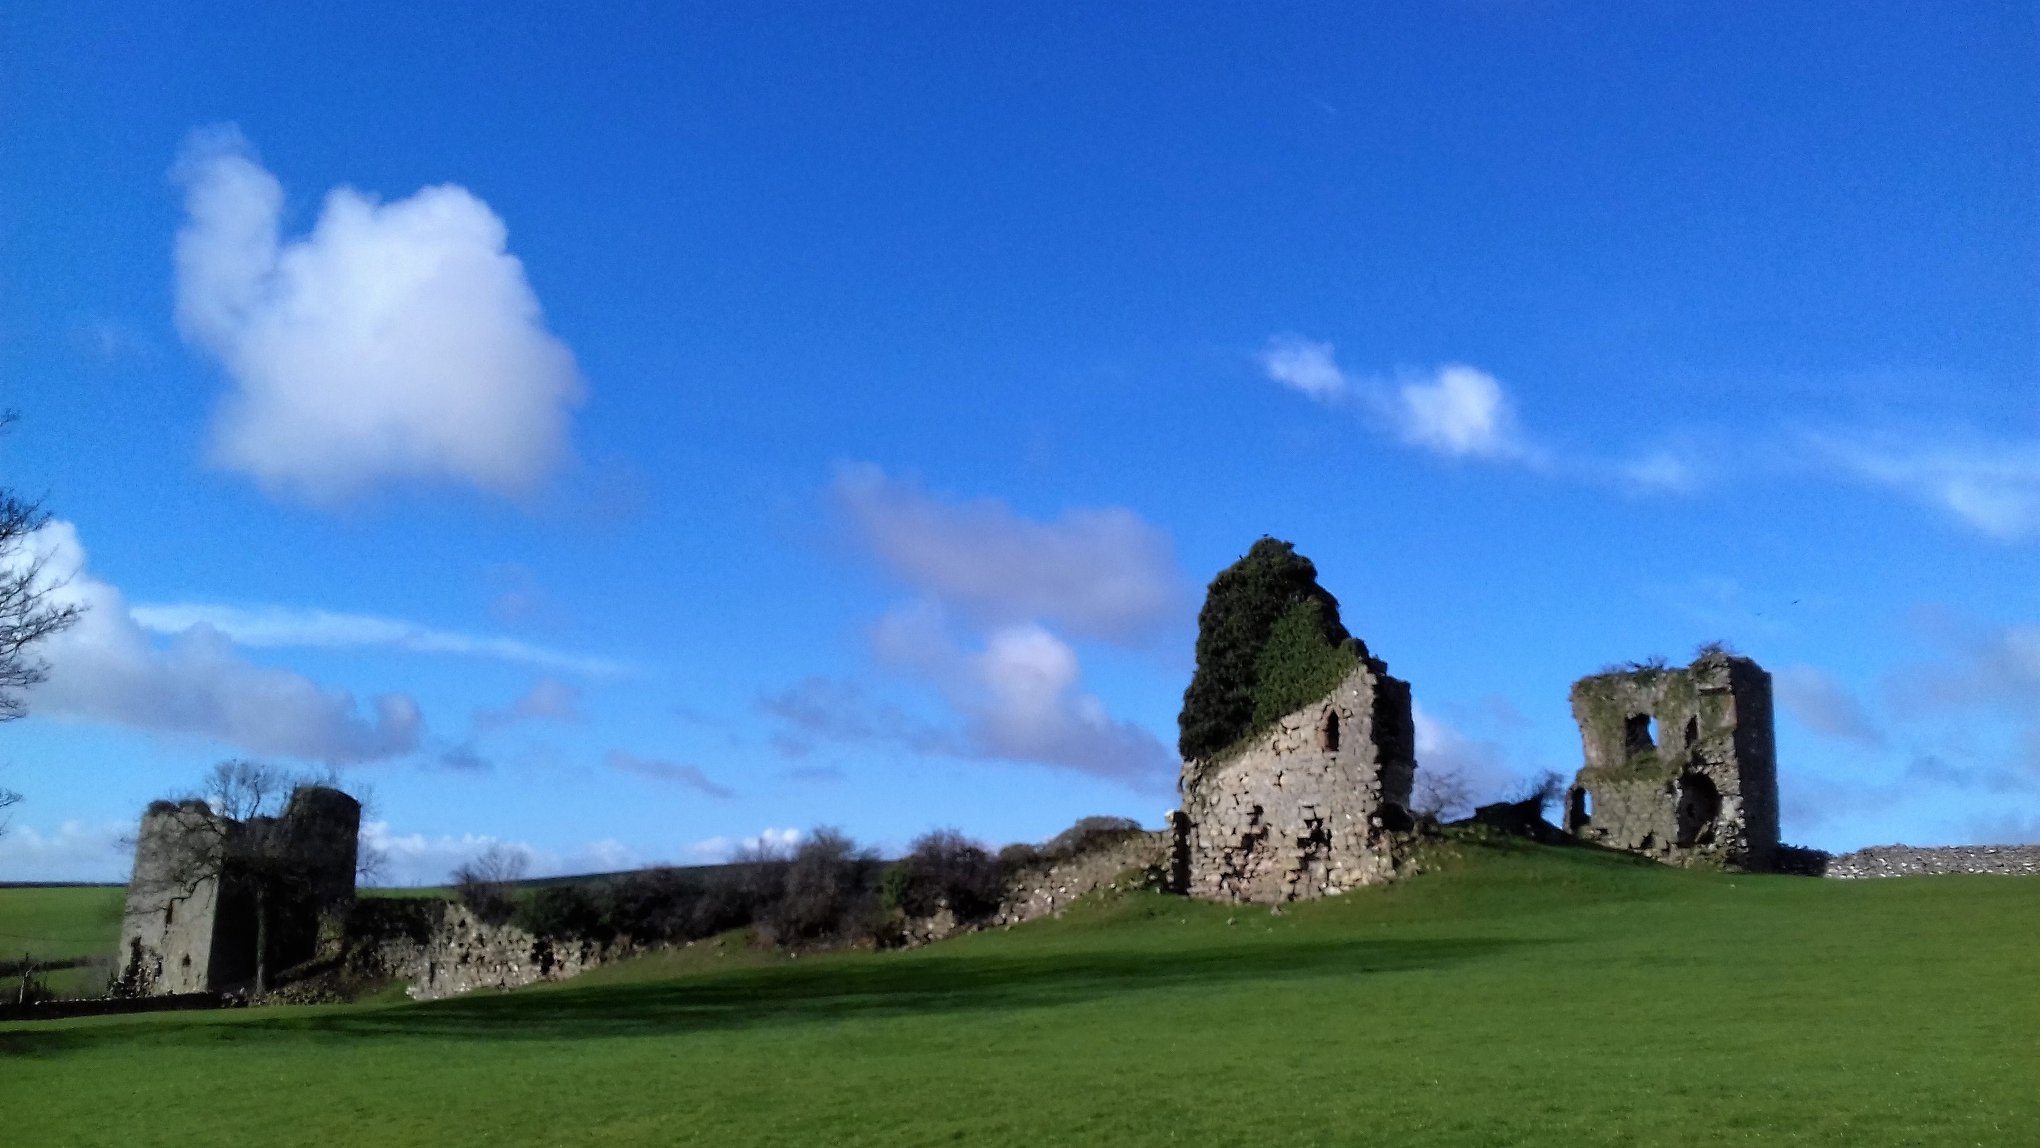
[167, 924]
[1912, 861]
[1047, 888]
[441, 949]
[1305, 809]
[1681, 764]
[189, 922]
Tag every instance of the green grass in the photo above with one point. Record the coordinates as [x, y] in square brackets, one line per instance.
[1519, 995]
[58, 924]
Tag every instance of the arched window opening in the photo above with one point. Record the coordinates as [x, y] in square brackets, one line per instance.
[1328, 736]
[1699, 803]
[1639, 733]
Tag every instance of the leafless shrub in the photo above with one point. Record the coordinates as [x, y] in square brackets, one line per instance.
[1441, 793]
[486, 883]
[1544, 790]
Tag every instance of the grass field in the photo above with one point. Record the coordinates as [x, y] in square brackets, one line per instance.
[58, 924]
[1520, 995]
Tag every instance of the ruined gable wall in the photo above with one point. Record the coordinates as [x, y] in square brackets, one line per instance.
[1703, 788]
[1300, 811]
[168, 923]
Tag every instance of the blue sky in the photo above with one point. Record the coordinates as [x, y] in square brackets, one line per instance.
[624, 433]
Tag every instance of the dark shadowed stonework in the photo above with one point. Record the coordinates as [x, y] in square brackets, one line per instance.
[1681, 764]
[190, 921]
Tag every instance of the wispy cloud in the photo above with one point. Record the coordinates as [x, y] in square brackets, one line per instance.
[108, 669]
[672, 772]
[1011, 692]
[73, 851]
[1453, 410]
[1991, 670]
[770, 841]
[280, 627]
[1306, 366]
[1825, 706]
[1104, 573]
[429, 859]
[546, 700]
[1017, 698]
[1992, 486]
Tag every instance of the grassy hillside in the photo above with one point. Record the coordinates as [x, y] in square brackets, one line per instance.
[58, 924]
[1523, 995]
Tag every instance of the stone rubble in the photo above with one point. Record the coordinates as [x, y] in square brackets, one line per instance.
[1913, 861]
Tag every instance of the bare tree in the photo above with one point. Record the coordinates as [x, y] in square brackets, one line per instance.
[484, 883]
[1441, 792]
[28, 615]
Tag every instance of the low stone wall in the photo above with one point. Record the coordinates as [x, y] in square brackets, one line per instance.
[441, 949]
[1909, 861]
[1046, 888]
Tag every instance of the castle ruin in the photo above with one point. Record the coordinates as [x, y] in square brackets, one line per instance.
[1298, 747]
[209, 892]
[1681, 764]
[1305, 809]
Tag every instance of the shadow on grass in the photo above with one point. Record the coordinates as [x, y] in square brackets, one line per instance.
[823, 990]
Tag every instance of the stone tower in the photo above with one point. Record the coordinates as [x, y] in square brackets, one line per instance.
[191, 920]
[1681, 764]
[1305, 808]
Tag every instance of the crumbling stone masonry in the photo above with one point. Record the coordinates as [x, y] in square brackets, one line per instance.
[190, 924]
[1681, 764]
[441, 949]
[1307, 808]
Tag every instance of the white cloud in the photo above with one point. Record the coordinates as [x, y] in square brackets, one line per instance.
[1103, 573]
[1015, 699]
[395, 341]
[719, 849]
[1825, 706]
[1461, 412]
[1026, 707]
[672, 772]
[1992, 487]
[1475, 766]
[546, 700]
[1456, 410]
[419, 859]
[1305, 365]
[280, 627]
[107, 669]
[74, 851]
